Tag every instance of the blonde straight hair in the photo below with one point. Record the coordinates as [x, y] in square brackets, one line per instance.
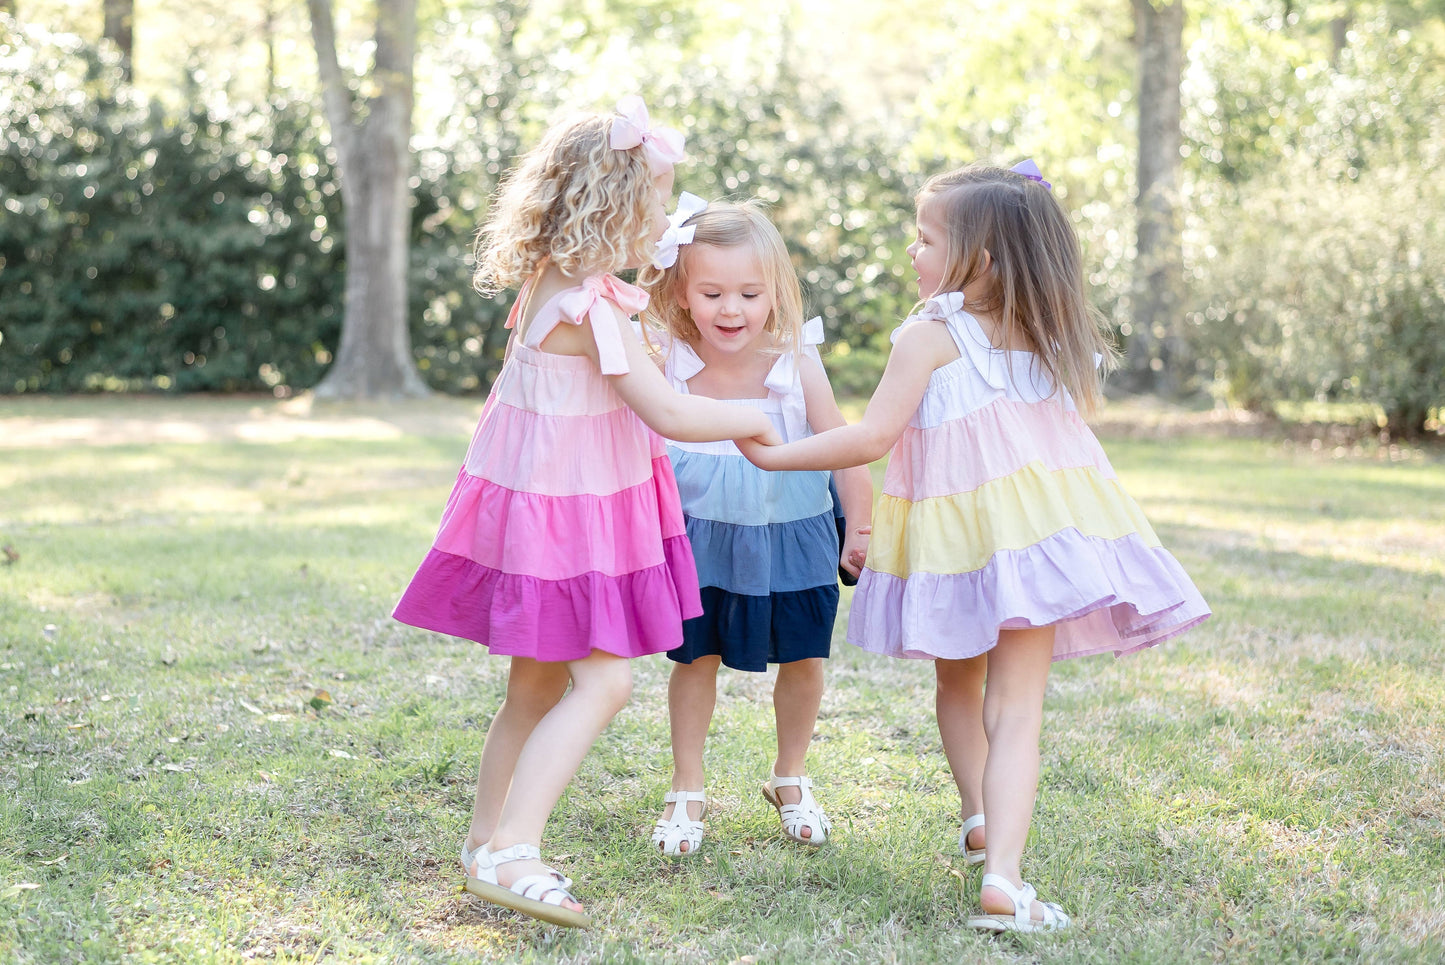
[573, 200]
[1034, 267]
[727, 224]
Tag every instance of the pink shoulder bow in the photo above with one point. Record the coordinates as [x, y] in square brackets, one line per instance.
[661, 146]
[581, 303]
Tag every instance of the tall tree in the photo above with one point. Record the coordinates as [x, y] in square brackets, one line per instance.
[372, 143]
[120, 30]
[1158, 262]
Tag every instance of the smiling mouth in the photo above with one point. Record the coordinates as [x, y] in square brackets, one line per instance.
[730, 330]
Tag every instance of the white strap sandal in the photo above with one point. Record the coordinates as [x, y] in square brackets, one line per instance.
[538, 896]
[805, 814]
[970, 855]
[671, 833]
[1022, 919]
[471, 857]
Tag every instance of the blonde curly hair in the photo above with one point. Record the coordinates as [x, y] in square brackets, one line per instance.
[726, 224]
[573, 199]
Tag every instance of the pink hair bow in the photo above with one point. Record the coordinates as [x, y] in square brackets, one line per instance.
[661, 146]
[1030, 170]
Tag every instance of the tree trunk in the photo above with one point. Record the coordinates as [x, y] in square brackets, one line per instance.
[374, 358]
[119, 29]
[1155, 343]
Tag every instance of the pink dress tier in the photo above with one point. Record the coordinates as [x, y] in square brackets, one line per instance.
[1000, 510]
[563, 533]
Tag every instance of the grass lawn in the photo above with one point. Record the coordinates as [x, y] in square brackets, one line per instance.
[216, 746]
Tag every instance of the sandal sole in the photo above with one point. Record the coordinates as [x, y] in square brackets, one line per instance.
[1006, 923]
[505, 897]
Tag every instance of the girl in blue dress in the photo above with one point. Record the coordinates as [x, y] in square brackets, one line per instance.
[766, 543]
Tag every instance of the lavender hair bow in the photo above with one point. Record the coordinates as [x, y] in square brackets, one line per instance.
[1030, 170]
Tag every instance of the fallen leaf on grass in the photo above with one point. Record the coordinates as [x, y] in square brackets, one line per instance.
[342, 754]
[18, 887]
[252, 707]
[11, 555]
[60, 860]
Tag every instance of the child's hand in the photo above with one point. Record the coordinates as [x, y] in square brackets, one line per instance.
[769, 438]
[855, 549]
[759, 450]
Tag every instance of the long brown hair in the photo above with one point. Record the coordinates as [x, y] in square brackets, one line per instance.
[1010, 229]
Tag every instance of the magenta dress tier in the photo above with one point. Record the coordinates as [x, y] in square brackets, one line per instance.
[564, 533]
[1000, 510]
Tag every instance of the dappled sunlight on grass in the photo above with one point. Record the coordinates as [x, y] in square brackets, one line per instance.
[1267, 787]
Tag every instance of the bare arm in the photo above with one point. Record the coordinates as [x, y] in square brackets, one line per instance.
[921, 348]
[685, 418]
[855, 484]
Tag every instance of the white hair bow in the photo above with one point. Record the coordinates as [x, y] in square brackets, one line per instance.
[661, 146]
[677, 234]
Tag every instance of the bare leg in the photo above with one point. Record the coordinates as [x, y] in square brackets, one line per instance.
[958, 703]
[1013, 708]
[601, 684]
[691, 697]
[533, 688]
[797, 694]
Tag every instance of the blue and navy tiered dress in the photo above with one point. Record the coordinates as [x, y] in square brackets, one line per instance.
[766, 543]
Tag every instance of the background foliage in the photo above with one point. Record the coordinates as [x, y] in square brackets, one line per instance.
[184, 233]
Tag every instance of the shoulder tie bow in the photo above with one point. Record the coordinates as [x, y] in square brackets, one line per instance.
[677, 233]
[582, 302]
[683, 362]
[784, 378]
[968, 336]
[661, 146]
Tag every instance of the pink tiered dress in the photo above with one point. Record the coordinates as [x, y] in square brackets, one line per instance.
[564, 533]
[1000, 510]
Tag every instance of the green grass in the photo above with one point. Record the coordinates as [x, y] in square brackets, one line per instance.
[1266, 788]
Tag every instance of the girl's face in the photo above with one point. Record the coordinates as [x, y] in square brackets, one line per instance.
[727, 296]
[929, 252]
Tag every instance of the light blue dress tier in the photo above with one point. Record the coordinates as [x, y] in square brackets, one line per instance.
[766, 543]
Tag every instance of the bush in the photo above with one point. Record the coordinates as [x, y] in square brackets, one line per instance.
[1318, 289]
[145, 251]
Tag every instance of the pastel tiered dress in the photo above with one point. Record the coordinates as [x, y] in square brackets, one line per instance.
[766, 543]
[563, 533]
[1000, 510]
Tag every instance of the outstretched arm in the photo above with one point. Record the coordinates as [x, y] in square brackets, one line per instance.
[920, 348]
[685, 418]
[855, 484]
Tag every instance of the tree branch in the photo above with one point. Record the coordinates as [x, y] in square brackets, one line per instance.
[335, 94]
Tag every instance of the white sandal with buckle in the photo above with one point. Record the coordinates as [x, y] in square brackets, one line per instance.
[671, 833]
[1022, 919]
[538, 896]
[970, 855]
[805, 814]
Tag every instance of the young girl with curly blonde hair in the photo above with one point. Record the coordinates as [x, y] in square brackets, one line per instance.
[562, 546]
